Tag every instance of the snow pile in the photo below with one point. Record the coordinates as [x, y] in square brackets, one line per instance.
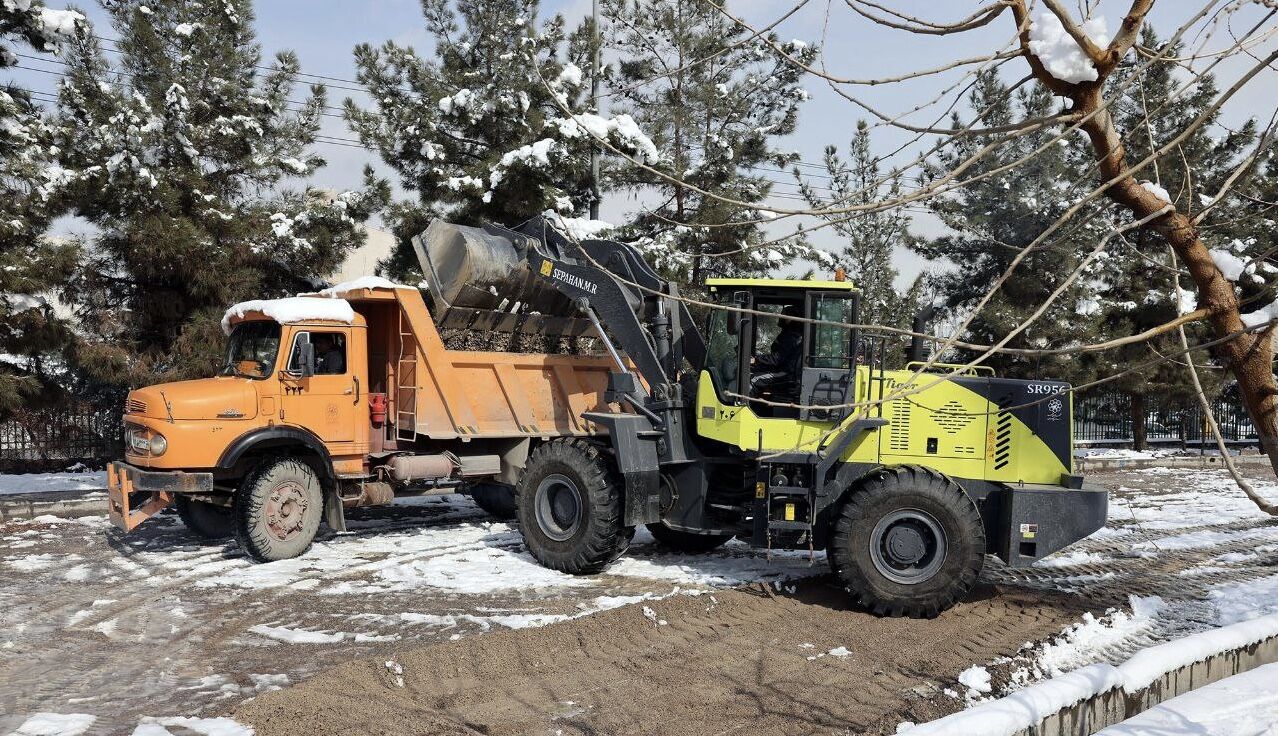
[1079, 643]
[1060, 53]
[1231, 266]
[1186, 301]
[622, 130]
[1026, 708]
[976, 679]
[1267, 313]
[1156, 190]
[1022, 709]
[1243, 705]
[297, 636]
[577, 228]
[363, 282]
[55, 724]
[292, 309]
[1150, 664]
[60, 22]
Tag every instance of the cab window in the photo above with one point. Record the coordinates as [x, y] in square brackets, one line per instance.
[831, 344]
[330, 352]
[252, 349]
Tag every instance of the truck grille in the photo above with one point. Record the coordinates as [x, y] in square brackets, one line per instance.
[133, 406]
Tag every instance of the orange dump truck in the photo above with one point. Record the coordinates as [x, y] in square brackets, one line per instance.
[346, 398]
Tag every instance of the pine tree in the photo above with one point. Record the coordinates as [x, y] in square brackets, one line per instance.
[492, 129]
[31, 185]
[869, 238]
[184, 150]
[714, 102]
[992, 219]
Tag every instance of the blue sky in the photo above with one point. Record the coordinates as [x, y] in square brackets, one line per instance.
[323, 32]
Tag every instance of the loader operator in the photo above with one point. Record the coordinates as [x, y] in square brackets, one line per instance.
[779, 366]
[329, 358]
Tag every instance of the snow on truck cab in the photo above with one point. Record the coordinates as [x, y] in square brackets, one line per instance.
[781, 427]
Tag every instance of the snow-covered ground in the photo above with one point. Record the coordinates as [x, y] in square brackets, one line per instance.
[70, 480]
[1193, 553]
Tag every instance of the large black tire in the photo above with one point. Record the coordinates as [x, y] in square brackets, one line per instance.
[907, 542]
[495, 498]
[278, 509]
[570, 507]
[205, 519]
[687, 542]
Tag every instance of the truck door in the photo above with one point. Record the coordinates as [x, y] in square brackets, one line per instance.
[332, 403]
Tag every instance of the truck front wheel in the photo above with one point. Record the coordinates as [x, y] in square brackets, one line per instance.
[205, 519]
[278, 509]
[570, 508]
[907, 542]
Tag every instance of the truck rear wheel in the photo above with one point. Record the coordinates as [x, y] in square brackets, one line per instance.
[570, 507]
[687, 542]
[495, 498]
[908, 542]
[205, 519]
[278, 509]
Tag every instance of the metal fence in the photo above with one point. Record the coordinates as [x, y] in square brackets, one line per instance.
[1107, 419]
[34, 440]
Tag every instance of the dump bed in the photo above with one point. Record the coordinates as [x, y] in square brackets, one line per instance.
[438, 393]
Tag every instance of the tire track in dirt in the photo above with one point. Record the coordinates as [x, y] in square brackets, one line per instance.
[734, 659]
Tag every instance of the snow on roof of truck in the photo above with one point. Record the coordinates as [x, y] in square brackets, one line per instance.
[363, 282]
[292, 309]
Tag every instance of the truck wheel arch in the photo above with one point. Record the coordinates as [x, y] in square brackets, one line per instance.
[293, 441]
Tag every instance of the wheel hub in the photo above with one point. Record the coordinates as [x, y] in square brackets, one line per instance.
[558, 507]
[285, 510]
[908, 546]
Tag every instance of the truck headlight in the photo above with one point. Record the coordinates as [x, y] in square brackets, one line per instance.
[158, 445]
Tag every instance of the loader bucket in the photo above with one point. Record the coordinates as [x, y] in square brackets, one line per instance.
[472, 271]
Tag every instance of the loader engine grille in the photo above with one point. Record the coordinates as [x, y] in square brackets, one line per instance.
[899, 437]
[1002, 440]
[133, 406]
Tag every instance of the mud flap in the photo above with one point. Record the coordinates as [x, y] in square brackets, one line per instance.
[634, 445]
[135, 495]
[334, 511]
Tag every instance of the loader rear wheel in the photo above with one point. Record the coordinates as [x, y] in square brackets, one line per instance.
[495, 498]
[278, 509]
[570, 508]
[907, 542]
[205, 519]
[687, 542]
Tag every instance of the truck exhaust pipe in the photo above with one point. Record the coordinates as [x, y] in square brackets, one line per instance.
[918, 345]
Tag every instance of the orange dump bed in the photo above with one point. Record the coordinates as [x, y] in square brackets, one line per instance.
[439, 393]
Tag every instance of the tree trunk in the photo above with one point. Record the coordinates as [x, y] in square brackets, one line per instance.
[1140, 438]
[1248, 357]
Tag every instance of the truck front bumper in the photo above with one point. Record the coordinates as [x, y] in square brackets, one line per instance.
[136, 494]
[1037, 520]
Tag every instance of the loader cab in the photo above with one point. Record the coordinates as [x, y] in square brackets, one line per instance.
[759, 356]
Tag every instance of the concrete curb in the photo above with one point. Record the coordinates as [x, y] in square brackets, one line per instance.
[69, 505]
[1093, 465]
[1117, 705]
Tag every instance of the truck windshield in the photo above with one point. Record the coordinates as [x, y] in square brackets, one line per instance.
[254, 347]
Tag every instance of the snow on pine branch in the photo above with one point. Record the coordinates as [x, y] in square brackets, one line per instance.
[621, 130]
[1059, 53]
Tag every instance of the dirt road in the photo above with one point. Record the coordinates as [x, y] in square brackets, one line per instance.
[155, 624]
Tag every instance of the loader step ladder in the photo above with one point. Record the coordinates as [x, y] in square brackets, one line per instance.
[406, 382]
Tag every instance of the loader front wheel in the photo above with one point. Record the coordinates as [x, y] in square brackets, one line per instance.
[495, 498]
[687, 542]
[570, 508]
[205, 519]
[278, 509]
[907, 542]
